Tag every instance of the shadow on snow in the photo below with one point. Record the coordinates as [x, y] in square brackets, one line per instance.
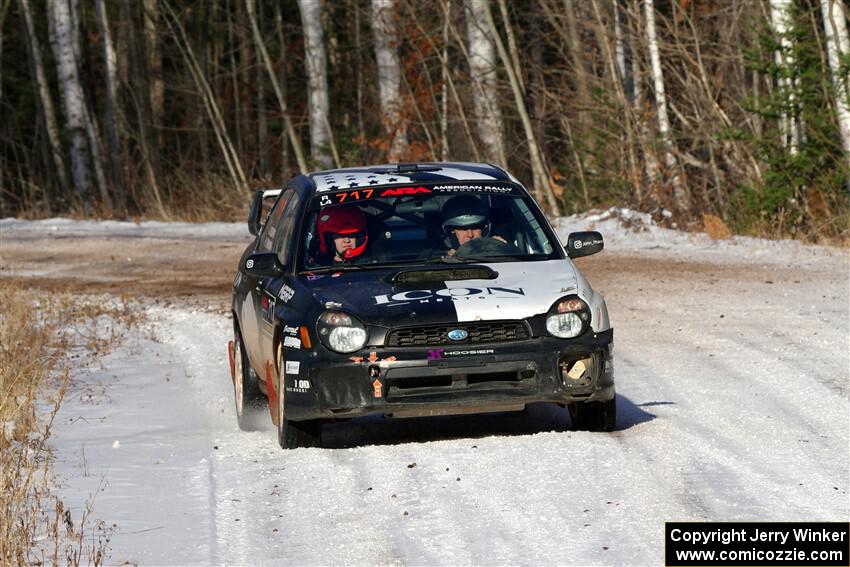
[536, 418]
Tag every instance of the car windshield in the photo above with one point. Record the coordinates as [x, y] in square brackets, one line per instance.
[371, 227]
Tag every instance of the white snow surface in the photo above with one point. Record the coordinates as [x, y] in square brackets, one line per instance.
[743, 418]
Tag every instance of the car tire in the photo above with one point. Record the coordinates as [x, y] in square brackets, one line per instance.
[246, 390]
[294, 434]
[594, 416]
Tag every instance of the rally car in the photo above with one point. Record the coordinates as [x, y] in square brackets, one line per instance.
[413, 290]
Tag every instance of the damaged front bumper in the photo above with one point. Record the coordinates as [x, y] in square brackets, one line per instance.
[419, 381]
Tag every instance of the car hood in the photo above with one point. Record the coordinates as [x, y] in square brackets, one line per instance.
[521, 289]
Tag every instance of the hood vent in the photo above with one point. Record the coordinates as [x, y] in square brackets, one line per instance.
[415, 277]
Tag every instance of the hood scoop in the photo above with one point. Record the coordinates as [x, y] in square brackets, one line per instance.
[416, 277]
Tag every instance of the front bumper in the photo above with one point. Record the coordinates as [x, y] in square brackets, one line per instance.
[419, 381]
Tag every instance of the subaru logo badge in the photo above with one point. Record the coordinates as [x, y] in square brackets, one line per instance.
[458, 334]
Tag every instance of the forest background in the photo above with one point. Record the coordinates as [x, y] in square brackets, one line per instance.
[707, 114]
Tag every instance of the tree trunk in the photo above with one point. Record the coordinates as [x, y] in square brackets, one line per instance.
[45, 101]
[4, 11]
[140, 107]
[153, 59]
[621, 49]
[358, 69]
[483, 72]
[277, 85]
[838, 48]
[262, 122]
[111, 78]
[542, 182]
[231, 158]
[513, 50]
[444, 60]
[246, 61]
[72, 95]
[681, 197]
[444, 86]
[610, 64]
[317, 81]
[781, 17]
[389, 77]
[579, 74]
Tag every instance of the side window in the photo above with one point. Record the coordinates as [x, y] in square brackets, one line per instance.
[535, 237]
[286, 228]
[269, 235]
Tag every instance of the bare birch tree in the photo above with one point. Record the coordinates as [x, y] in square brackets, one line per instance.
[838, 49]
[389, 77]
[681, 197]
[44, 98]
[781, 18]
[483, 72]
[317, 81]
[72, 94]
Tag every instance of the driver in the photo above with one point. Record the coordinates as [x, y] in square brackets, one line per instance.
[465, 218]
[343, 234]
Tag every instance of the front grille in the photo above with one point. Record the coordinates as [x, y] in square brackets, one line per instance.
[479, 332]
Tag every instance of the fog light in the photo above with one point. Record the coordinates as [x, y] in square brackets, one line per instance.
[577, 372]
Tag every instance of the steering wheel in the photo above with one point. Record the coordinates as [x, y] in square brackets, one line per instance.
[486, 246]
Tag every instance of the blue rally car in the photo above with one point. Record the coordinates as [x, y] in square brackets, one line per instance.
[413, 290]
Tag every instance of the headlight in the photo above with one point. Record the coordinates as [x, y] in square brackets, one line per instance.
[341, 332]
[568, 318]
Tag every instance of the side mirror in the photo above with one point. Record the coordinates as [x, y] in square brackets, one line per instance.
[255, 214]
[584, 244]
[263, 265]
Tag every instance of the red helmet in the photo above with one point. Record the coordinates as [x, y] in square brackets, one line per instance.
[342, 221]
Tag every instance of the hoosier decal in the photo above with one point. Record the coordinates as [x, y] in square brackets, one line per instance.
[450, 353]
[451, 294]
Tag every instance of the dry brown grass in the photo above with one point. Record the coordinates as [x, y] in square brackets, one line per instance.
[715, 227]
[36, 332]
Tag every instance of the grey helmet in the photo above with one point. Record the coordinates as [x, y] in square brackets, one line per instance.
[466, 211]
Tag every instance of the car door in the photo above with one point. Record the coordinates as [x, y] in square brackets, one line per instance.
[281, 244]
[258, 307]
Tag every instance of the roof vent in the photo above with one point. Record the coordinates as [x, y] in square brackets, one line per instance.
[406, 167]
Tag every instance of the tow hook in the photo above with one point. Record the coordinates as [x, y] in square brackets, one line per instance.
[375, 377]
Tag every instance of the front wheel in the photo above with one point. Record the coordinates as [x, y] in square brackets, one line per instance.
[594, 416]
[246, 390]
[293, 434]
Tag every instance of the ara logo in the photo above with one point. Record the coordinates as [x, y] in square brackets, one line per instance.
[401, 191]
[452, 294]
[457, 334]
[249, 264]
[436, 354]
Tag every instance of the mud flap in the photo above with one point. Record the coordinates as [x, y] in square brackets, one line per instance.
[272, 394]
[232, 361]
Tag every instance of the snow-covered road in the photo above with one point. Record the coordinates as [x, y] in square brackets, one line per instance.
[732, 372]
